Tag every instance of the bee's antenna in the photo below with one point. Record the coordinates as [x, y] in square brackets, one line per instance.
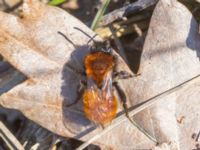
[91, 38]
[67, 38]
[82, 32]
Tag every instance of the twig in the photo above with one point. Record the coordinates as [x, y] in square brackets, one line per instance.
[5, 4]
[143, 106]
[127, 10]
[121, 29]
[9, 138]
[126, 27]
[17, 5]
[197, 138]
[137, 29]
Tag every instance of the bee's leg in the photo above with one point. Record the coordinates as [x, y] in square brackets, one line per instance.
[123, 75]
[123, 99]
[102, 126]
[75, 70]
[80, 91]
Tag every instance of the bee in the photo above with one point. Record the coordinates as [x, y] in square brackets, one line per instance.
[99, 100]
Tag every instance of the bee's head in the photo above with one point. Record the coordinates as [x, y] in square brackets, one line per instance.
[97, 45]
[101, 46]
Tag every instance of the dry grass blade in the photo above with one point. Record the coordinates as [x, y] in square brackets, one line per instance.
[100, 14]
[143, 106]
[9, 138]
[56, 2]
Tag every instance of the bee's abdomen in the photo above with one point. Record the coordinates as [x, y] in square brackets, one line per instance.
[98, 108]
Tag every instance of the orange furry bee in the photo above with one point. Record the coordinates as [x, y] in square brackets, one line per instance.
[99, 101]
[100, 104]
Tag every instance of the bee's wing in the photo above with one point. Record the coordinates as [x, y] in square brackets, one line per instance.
[107, 85]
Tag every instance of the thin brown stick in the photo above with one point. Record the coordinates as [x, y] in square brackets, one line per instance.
[13, 8]
[197, 138]
[9, 138]
[127, 10]
[143, 106]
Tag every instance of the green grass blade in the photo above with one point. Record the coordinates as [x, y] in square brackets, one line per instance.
[56, 2]
[99, 14]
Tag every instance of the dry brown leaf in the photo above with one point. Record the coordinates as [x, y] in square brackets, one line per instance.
[32, 45]
[170, 56]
